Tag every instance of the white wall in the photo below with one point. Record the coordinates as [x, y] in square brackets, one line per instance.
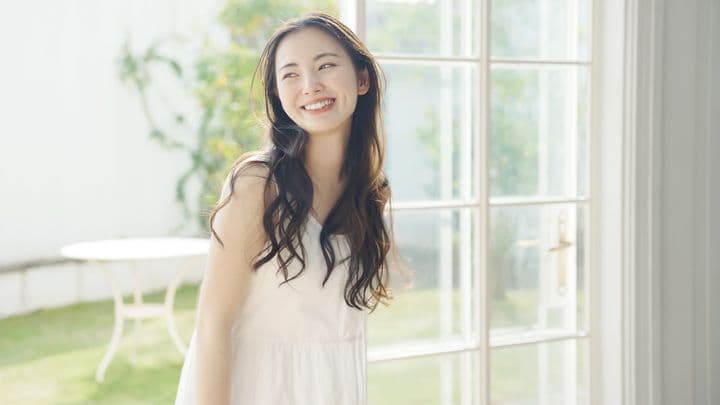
[690, 238]
[76, 162]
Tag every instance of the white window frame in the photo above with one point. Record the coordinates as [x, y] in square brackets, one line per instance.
[623, 277]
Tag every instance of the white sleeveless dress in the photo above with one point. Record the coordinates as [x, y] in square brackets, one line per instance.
[297, 344]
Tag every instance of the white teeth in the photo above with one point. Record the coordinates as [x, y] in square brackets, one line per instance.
[319, 105]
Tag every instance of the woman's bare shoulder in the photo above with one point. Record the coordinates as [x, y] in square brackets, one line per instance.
[248, 179]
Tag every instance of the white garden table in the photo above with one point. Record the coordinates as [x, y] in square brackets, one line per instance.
[132, 251]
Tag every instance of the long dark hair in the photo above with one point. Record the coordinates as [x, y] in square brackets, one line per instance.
[359, 210]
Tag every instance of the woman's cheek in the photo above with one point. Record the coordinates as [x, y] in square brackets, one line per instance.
[286, 102]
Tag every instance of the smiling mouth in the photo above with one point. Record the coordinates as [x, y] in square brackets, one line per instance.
[321, 106]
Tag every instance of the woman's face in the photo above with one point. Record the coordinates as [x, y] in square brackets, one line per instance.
[317, 83]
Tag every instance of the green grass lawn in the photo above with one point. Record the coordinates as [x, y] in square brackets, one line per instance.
[50, 356]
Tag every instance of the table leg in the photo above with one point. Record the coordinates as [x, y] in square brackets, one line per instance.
[137, 300]
[117, 329]
[170, 302]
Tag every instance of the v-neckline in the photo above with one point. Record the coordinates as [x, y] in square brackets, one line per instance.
[314, 219]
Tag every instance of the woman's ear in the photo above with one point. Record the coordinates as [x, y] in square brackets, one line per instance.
[363, 81]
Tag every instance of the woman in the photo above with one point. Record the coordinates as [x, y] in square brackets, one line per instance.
[300, 247]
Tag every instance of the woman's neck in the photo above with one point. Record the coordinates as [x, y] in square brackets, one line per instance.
[324, 157]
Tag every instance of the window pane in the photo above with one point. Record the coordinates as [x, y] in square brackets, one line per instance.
[429, 112]
[422, 27]
[437, 247]
[535, 267]
[438, 380]
[539, 119]
[546, 373]
[552, 29]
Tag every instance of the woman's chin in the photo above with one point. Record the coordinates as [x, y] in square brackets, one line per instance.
[320, 130]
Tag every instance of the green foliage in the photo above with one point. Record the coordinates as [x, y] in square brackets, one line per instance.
[397, 21]
[513, 143]
[252, 22]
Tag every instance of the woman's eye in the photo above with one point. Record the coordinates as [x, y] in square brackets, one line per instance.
[321, 67]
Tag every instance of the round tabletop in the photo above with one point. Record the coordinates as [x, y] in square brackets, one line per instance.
[136, 248]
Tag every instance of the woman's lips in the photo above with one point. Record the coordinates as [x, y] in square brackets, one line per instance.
[321, 110]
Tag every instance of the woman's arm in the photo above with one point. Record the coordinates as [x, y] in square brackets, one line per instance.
[225, 284]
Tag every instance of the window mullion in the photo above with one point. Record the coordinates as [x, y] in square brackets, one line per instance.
[481, 222]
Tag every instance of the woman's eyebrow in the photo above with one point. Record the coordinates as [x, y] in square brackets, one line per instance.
[318, 56]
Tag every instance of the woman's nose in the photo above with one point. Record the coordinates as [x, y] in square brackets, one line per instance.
[312, 83]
